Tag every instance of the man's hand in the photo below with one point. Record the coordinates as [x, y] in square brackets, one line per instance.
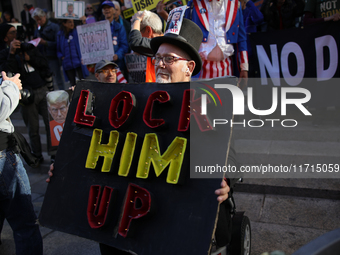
[243, 79]
[115, 57]
[136, 19]
[222, 192]
[139, 15]
[334, 17]
[50, 174]
[83, 19]
[14, 79]
[15, 44]
[161, 10]
[27, 57]
[203, 55]
[42, 41]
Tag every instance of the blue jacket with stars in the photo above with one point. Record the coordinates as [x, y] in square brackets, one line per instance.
[236, 34]
[68, 48]
[120, 44]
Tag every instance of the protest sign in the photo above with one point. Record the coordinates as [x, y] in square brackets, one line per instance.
[104, 187]
[141, 5]
[175, 20]
[57, 104]
[305, 58]
[65, 9]
[136, 65]
[95, 42]
[128, 13]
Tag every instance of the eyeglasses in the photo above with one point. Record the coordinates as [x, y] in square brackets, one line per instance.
[62, 110]
[107, 71]
[169, 60]
[89, 8]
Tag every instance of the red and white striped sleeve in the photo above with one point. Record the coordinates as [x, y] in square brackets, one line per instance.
[120, 77]
[243, 60]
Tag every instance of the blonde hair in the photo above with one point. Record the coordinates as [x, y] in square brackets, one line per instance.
[58, 96]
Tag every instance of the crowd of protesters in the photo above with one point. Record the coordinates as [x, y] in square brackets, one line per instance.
[55, 42]
[58, 55]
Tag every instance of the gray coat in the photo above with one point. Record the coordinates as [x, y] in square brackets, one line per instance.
[9, 99]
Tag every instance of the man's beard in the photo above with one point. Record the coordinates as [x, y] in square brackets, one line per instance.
[162, 80]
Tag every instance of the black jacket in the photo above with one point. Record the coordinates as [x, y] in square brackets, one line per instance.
[14, 63]
[140, 44]
[290, 10]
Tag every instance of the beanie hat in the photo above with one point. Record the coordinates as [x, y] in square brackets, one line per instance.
[3, 31]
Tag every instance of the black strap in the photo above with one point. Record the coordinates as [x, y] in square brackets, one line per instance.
[6, 141]
[3, 140]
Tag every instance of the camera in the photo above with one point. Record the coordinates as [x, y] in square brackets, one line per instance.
[27, 96]
[21, 36]
[21, 33]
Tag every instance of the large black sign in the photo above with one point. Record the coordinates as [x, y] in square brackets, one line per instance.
[306, 58]
[103, 187]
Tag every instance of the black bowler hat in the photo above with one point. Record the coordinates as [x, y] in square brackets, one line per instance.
[189, 40]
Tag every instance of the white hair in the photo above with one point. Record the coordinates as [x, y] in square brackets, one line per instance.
[116, 4]
[38, 12]
[152, 20]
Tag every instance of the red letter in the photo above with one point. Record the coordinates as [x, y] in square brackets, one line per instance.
[161, 96]
[129, 102]
[131, 210]
[83, 114]
[98, 205]
[192, 106]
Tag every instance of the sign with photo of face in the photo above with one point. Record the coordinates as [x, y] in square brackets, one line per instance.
[65, 9]
[175, 20]
[57, 104]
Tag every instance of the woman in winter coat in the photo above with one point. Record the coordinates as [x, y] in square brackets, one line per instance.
[68, 51]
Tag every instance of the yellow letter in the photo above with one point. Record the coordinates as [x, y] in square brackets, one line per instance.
[127, 154]
[105, 150]
[151, 153]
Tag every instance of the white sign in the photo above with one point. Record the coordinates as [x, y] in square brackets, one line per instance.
[66, 9]
[175, 20]
[95, 42]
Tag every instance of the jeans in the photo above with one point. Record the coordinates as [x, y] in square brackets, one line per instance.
[16, 205]
[55, 64]
[30, 114]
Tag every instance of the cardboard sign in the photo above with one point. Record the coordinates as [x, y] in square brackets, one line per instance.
[95, 41]
[66, 9]
[57, 104]
[136, 65]
[141, 5]
[104, 187]
[175, 20]
[128, 13]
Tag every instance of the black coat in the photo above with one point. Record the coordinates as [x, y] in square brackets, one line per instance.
[290, 10]
[23, 19]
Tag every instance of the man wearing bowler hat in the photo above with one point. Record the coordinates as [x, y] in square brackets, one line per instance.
[176, 60]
